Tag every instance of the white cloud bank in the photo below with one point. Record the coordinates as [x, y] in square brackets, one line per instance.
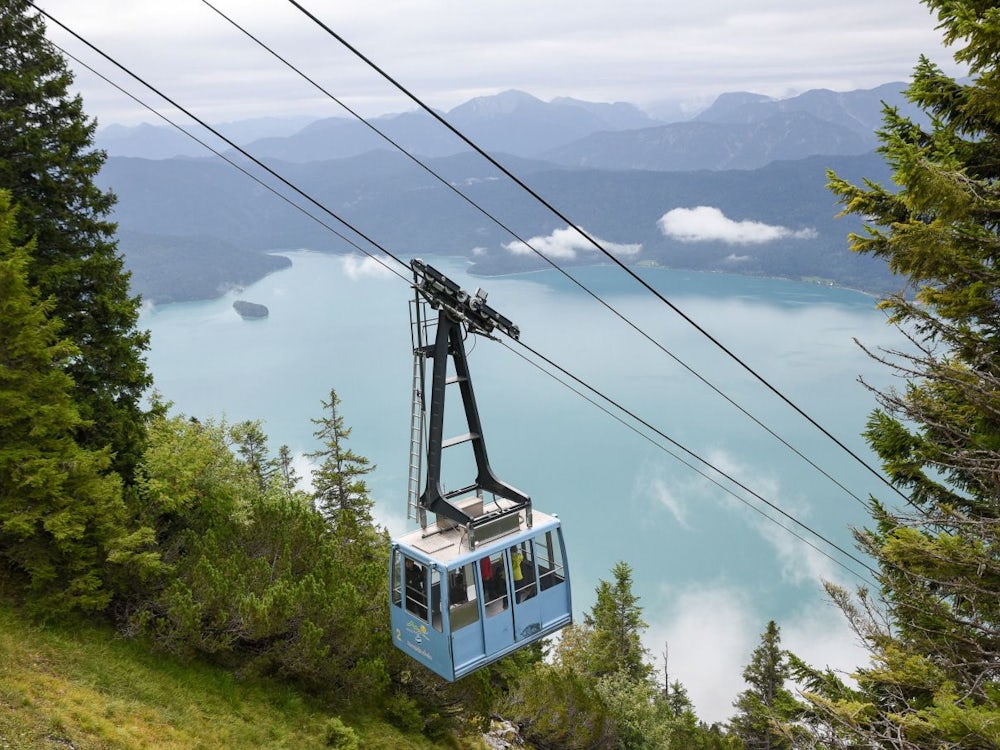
[568, 244]
[709, 636]
[357, 266]
[709, 224]
[712, 630]
[800, 553]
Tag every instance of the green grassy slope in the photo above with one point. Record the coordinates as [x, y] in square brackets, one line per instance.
[85, 688]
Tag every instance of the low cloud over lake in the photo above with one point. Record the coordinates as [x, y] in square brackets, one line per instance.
[709, 224]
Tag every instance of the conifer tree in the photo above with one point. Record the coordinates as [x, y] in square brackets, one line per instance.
[766, 704]
[339, 486]
[686, 731]
[287, 475]
[48, 163]
[678, 700]
[605, 659]
[251, 444]
[61, 512]
[934, 633]
[616, 627]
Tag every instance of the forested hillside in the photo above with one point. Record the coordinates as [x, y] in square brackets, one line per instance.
[188, 536]
[614, 170]
[185, 200]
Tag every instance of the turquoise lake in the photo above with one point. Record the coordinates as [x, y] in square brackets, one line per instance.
[710, 569]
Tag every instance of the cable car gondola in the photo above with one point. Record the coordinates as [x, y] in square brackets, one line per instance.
[485, 574]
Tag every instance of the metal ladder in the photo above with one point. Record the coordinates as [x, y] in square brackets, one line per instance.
[420, 329]
[416, 443]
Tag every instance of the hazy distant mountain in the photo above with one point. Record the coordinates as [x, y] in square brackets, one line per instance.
[146, 141]
[246, 131]
[178, 268]
[859, 111]
[726, 107]
[738, 131]
[411, 214]
[511, 122]
[165, 141]
[192, 226]
[517, 123]
[687, 146]
[613, 116]
[342, 137]
[744, 131]
[208, 197]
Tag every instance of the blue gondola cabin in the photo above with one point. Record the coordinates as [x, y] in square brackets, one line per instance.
[456, 610]
[481, 578]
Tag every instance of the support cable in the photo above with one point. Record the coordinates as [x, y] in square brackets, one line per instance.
[394, 257]
[686, 463]
[691, 453]
[599, 247]
[419, 162]
[219, 135]
[230, 161]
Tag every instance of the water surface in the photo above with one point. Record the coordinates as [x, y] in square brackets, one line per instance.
[710, 568]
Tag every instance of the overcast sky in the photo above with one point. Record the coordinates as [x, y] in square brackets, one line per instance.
[447, 51]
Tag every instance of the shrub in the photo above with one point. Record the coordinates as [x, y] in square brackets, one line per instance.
[340, 736]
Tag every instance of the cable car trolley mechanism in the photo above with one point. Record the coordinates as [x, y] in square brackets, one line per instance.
[485, 574]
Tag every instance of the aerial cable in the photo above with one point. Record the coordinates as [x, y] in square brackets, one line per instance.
[598, 246]
[391, 255]
[222, 137]
[230, 161]
[376, 244]
[684, 461]
[692, 454]
[416, 160]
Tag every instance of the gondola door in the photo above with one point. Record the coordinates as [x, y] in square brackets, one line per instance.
[527, 609]
[498, 621]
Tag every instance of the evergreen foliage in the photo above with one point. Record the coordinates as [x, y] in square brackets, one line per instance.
[251, 444]
[685, 729]
[340, 736]
[611, 639]
[256, 577]
[766, 705]
[287, 475]
[933, 633]
[339, 486]
[599, 692]
[61, 511]
[643, 719]
[48, 164]
[557, 707]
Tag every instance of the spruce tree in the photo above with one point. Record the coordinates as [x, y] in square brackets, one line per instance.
[251, 444]
[254, 575]
[287, 476]
[339, 486]
[934, 633]
[766, 704]
[61, 512]
[48, 163]
[614, 642]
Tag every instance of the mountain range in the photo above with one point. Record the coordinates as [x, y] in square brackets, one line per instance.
[613, 169]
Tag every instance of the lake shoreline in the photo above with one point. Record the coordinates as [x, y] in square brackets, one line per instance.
[470, 263]
[345, 325]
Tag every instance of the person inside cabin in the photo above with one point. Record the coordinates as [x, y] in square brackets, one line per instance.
[457, 591]
[494, 583]
[416, 598]
[516, 558]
